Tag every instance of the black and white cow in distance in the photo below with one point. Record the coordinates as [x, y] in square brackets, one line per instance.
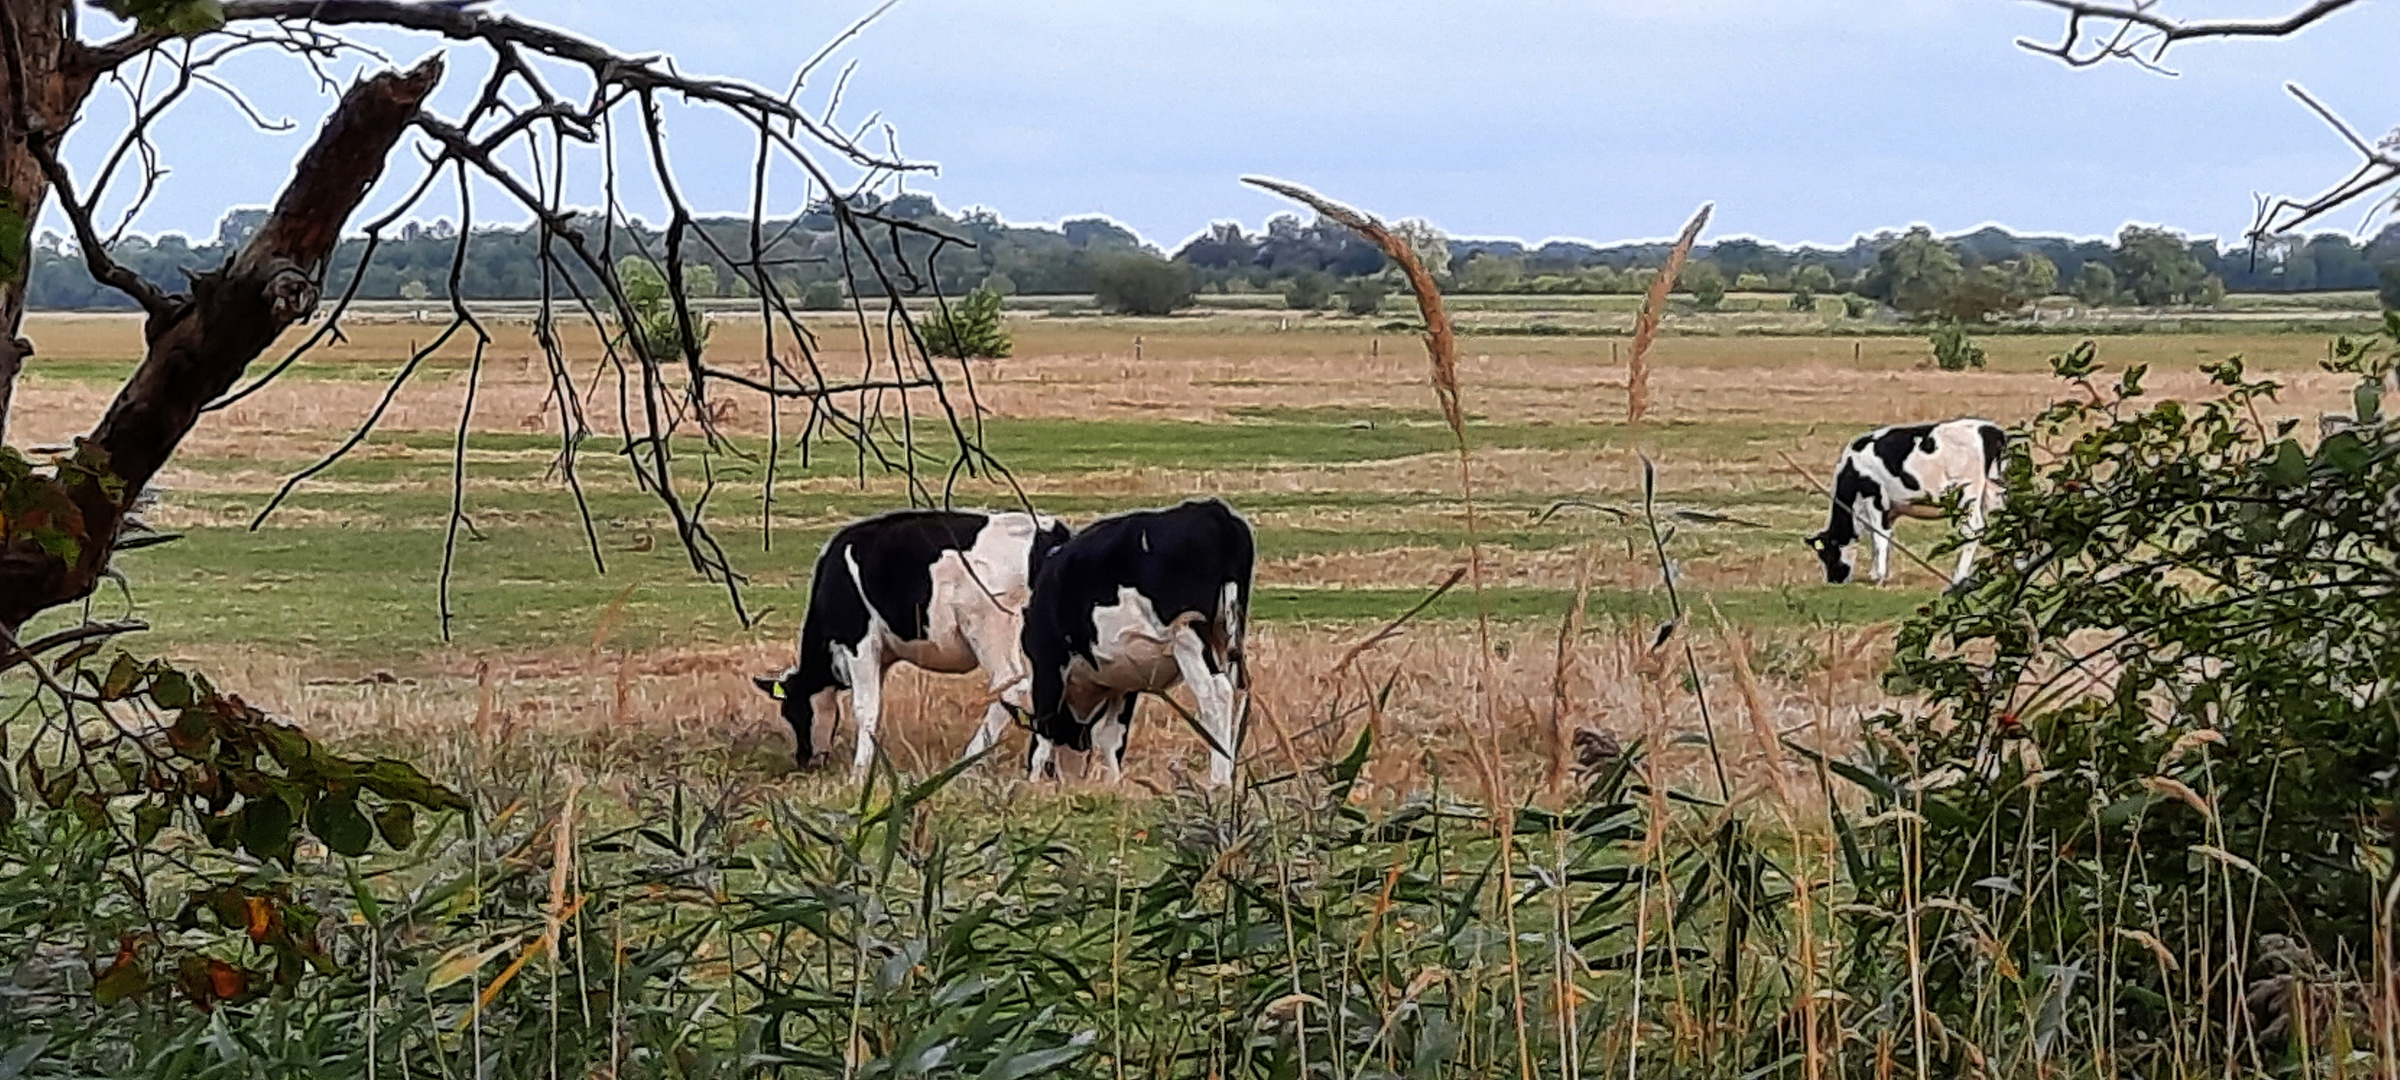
[942, 589]
[1905, 471]
[1135, 603]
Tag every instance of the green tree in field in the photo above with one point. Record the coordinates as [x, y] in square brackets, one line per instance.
[1752, 282]
[1855, 306]
[1491, 274]
[1139, 283]
[1308, 291]
[1705, 282]
[2158, 266]
[1917, 274]
[1000, 283]
[655, 320]
[971, 329]
[2388, 286]
[1364, 295]
[1804, 300]
[1814, 278]
[821, 296]
[2095, 284]
[1997, 290]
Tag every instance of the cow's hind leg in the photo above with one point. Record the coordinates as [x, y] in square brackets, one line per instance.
[1974, 534]
[996, 654]
[1214, 691]
[1881, 535]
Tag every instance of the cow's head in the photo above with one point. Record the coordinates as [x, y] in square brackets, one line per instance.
[1835, 556]
[799, 710]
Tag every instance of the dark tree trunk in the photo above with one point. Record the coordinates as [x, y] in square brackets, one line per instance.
[44, 76]
[199, 350]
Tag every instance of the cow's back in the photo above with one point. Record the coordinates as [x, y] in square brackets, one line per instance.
[884, 564]
[1179, 559]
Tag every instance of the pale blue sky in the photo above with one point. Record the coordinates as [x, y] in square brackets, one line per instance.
[1804, 120]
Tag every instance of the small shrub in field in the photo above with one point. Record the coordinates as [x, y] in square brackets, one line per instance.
[1953, 350]
[821, 296]
[1855, 306]
[971, 329]
[1308, 291]
[656, 322]
[1138, 283]
[1364, 295]
[1706, 284]
[1804, 300]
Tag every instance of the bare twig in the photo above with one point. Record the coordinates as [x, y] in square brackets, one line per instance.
[12, 655]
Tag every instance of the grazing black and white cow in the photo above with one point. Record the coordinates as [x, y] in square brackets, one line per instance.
[1135, 603]
[942, 589]
[1904, 471]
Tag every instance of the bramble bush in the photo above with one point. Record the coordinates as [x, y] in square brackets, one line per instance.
[2147, 808]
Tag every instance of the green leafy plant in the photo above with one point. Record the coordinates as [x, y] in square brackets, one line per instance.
[1139, 283]
[1309, 290]
[1953, 350]
[182, 18]
[1364, 295]
[656, 322]
[2155, 785]
[821, 296]
[1706, 284]
[184, 803]
[971, 329]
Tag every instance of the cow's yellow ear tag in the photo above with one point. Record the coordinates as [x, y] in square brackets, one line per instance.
[776, 693]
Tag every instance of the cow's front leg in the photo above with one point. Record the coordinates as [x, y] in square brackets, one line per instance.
[866, 699]
[995, 721]
[1041, 760]
[1109, 736]
[1213, 689]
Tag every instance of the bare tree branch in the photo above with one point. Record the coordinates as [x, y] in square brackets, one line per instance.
[234, 313]
[2140, 33]
[519, 119]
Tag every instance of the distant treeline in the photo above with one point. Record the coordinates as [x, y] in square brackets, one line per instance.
[810, 264]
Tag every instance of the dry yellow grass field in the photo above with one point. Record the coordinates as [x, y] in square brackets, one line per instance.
[1339, 522]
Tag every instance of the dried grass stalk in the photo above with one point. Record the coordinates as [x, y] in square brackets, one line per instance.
[1441, 339]
[1570, 629]
[1654, 308]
